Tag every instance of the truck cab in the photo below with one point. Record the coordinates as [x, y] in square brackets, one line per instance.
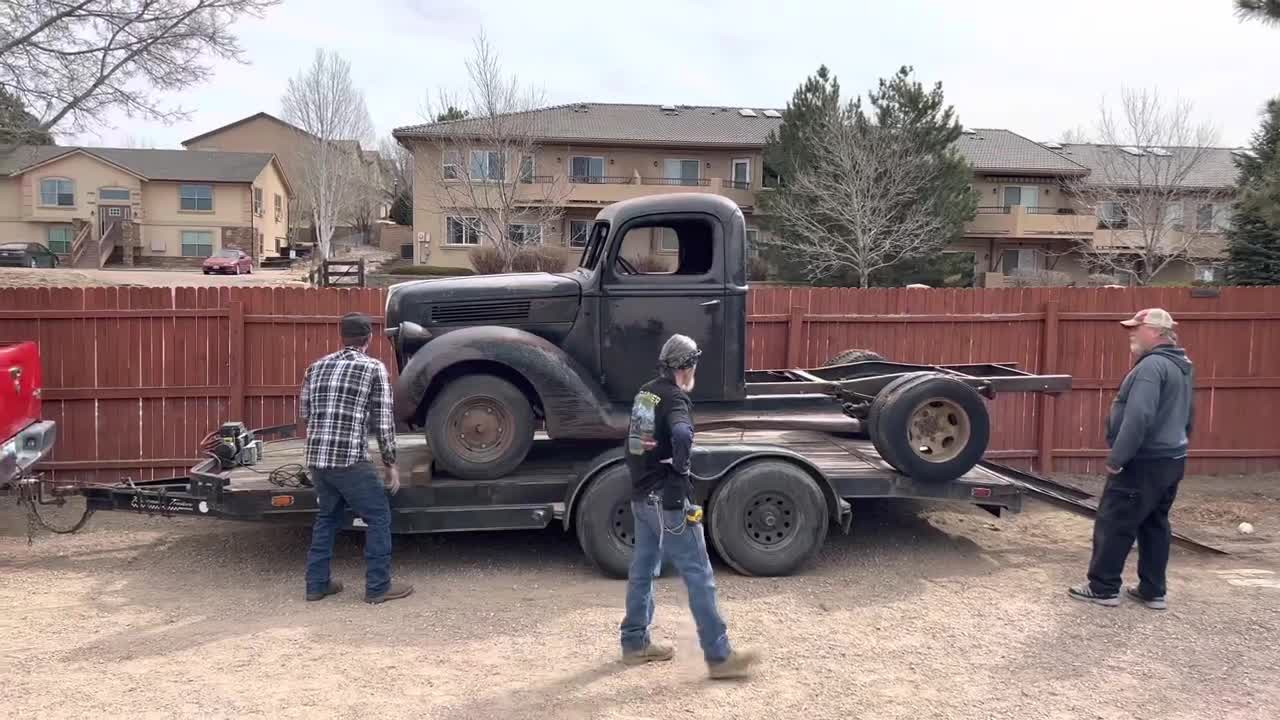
[575, 346]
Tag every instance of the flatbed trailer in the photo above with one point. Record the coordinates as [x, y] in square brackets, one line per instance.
[771, 495]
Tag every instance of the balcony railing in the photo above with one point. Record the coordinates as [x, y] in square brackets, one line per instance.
[738, 184]
[601, 179]
[686, 182]
[538, 179]
[993, 210]
[1050, 211]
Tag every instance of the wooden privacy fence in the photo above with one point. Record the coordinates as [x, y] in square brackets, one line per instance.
[136, 376]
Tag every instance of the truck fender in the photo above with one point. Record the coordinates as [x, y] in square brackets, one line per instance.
[710, 464]
[573, 404]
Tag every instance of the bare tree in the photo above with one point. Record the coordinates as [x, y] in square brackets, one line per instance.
[372, 195]
[399, 163]
[72, 61]
[1147, 183]
[323, 101]
[488, 160]
[1075, 136]
[863, 203]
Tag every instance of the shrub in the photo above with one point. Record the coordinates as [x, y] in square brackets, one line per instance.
[487, 260]
[1037, 278]
[552, 259]
[757, 269]
[525, 260]
[650, 264]
[1101, 279]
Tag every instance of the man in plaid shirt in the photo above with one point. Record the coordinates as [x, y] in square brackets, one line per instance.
[344, 396]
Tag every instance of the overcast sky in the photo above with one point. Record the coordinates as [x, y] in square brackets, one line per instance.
[1035, 68]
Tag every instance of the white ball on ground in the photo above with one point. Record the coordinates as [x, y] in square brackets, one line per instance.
[1245, 528]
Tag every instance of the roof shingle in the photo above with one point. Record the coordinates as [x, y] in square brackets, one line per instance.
[197, 165]
[1216, 168]
[992, 150]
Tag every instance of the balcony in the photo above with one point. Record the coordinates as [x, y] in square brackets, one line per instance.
[1035, 222]
[598, 190]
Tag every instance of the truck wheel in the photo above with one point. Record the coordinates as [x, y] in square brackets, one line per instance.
[480, 427]
[852, 356]
[768, 518]
[933, 428]
[882, 398]
[604, 522]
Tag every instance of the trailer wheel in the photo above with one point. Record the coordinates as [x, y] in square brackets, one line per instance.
[604, 522]
[480, 427]
[768, 518]
[885, 450]
[933, 428]
[854, 355]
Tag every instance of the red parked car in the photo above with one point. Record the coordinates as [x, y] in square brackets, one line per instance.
[229, 261]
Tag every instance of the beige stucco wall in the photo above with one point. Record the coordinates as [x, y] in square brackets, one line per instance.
[582, 201]
[275, 232]
[259, 135]
[162, 222]
[22, 218]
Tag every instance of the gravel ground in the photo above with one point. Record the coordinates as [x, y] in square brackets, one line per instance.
[921, 612]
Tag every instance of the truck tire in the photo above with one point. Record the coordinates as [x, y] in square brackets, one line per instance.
[768, 518]
[933, 428]
[882, 398]
[604, 522]
[480, 427]
[852, 356]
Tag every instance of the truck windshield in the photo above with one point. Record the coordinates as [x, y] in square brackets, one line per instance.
[595, 246]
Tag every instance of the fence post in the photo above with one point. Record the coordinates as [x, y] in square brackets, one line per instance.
[795, 337]
[1048, 365]
[236, 359]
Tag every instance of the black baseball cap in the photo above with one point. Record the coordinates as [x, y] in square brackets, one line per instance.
[355, 326]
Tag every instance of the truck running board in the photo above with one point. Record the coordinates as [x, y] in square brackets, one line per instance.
[1073, 500]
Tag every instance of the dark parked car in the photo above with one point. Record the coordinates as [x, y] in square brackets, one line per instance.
[28, 255]
[228, 261]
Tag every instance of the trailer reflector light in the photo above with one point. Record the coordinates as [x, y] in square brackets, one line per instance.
[281, 500]
[981, 492]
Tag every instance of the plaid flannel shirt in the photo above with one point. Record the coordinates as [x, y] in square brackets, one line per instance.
[344, 397]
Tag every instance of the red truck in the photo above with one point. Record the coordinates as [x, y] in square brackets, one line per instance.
[24, 437]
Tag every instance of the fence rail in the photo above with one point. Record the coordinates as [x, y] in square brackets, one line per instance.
[136, 376]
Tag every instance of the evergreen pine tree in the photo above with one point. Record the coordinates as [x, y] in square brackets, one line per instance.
[1253, 240]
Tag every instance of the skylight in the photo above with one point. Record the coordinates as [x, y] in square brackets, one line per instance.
[747, 112]
[772, 114]
[1159, 152]
[1052, 145]
[1131, 150]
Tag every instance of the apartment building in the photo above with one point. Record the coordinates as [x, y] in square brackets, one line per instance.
[156, 207]
[1032, 215]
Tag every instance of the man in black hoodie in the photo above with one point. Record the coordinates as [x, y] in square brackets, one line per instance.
[1147, 431]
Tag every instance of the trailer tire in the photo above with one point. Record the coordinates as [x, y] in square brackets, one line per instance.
[886, 450]
[852, 356]
[768, 518]
[933, 428]
[604, 523]
[498, 441]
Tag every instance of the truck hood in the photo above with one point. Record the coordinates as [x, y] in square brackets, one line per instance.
[483, 299]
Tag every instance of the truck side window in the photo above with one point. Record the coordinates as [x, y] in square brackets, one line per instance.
[678, 248]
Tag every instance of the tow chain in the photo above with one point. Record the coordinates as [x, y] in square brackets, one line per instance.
[29, 496]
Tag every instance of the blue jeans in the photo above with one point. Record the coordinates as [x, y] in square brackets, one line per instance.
[359, 487]
[661, 532]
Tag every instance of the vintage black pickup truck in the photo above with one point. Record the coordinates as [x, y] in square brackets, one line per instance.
[487, 361]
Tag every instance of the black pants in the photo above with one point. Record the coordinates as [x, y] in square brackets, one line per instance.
[1135, 505]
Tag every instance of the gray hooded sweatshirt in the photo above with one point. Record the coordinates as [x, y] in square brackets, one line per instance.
[1152, 414]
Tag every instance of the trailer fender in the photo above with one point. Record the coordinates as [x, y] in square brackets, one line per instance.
[709, 464]
[573, 404]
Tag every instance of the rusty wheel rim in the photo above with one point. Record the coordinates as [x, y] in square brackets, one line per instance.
[480, 428]
[938, 430]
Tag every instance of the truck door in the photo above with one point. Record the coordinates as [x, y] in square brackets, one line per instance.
[664, 275]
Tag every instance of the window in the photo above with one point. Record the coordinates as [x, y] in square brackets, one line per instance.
[195, 198]
[462, 231]
[115, 212]
[1024, 195]
[60, 238]
[771, 178]
[742, 174]
[525, 233]
[449, 163]
[668, 240]
[1171, 215]
[406, 251]
[279, 207]
[257, 201]
[579, 231]
[57, 192]
[114, 194]
[1211, 217]
[1208, 273]
[753, 236]
[1112, 215]
[1022, 259]
[584, 169]
[526, 169]
[686, 171]
[486, 165]
[197, 243]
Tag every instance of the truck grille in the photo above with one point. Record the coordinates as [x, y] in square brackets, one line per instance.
[476, 312]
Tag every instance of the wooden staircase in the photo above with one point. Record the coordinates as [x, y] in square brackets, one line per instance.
[90, 255]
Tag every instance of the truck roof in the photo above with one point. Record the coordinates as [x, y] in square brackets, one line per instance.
[694, 202]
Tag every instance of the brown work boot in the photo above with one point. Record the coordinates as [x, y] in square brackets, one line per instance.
[394, 592]
[653, 652]
[737, 665]
[334, 588]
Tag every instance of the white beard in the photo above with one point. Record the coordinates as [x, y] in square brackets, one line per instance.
[687, 387]
[1135, 348]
